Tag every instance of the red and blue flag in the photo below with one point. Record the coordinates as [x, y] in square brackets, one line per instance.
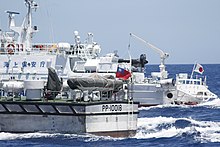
[122, 73]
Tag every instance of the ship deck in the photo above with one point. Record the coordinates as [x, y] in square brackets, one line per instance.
[60, 106]
[63, 101]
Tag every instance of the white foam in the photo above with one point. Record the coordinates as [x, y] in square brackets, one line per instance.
[151, 123]
[12, 136]
[213, 103]
[93, 138]
[163, 106]
[85, 137]
[148, 128]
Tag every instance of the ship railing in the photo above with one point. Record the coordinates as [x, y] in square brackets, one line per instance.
[190, 81]
[53, 95]
[49, 48]
[52, 48]
[95, 95]
[46, 48]
[82, 51]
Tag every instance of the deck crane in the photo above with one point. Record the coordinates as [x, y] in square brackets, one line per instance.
[163, 73]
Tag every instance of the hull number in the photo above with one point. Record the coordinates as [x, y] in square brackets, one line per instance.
[111, 107]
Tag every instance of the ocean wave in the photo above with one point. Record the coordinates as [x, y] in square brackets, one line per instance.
[13, 136]
[81, 137]
[166, 127]
[213, 104]
[164, 106]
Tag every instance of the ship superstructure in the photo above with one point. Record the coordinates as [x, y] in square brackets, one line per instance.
[35, 94]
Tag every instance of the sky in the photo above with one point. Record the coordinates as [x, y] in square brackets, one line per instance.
[189, 30]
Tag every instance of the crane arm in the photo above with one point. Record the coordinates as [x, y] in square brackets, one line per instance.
[149, 44]
[163, 56]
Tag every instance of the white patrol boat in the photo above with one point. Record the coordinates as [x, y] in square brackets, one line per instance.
[160, 89]
[190, 91]
[40, 92]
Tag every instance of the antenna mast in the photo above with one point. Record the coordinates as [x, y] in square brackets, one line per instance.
[26, 30]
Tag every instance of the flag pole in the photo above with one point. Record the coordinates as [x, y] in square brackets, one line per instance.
[130, 64]
[193, 70]
[129, 53]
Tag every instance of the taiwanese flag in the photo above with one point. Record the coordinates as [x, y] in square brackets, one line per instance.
[122, 73]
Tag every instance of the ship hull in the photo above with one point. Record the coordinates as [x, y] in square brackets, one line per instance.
[146, 94]
[116, 119]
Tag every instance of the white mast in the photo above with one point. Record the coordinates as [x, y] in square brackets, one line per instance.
[25, 31]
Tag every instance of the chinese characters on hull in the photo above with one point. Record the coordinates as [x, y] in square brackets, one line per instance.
[24, 64]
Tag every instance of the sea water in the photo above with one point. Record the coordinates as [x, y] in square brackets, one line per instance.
[163, 125]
